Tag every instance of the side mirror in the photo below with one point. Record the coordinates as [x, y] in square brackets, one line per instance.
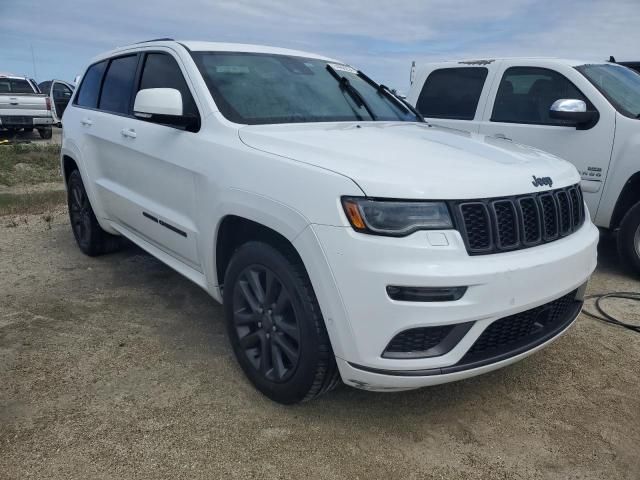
[574, 112]
[162, 105]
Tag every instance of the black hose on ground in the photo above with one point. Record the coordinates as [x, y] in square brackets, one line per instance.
[608, 318]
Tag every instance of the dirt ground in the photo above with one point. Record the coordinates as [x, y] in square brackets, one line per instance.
[117, 367]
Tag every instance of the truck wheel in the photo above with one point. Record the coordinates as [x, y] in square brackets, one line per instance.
[275, 325]
[45, 133]
[629, 238]
[28, 129]
[91, 238]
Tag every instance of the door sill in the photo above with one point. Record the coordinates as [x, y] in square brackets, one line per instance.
[185, 270]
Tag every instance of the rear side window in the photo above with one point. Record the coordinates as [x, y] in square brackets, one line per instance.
[452, 93]
[118, 84]
[525, 95]
[15, 85]
[90, 86]
[162, 71]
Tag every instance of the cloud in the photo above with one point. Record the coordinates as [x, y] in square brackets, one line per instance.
[381, 37]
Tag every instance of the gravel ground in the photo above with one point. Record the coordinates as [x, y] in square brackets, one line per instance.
[117, 367]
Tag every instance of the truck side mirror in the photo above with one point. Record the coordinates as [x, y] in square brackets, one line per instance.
[574, 112]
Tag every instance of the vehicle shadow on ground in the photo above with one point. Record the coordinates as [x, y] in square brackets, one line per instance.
[439, 399]
[22, 136]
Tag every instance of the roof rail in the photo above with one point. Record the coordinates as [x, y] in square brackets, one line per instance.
[166, 39]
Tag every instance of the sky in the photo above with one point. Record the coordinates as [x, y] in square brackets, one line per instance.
[381, 38]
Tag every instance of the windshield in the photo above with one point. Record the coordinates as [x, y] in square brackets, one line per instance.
[258, 88]
[620, 85]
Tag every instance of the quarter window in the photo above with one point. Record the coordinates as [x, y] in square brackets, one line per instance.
[452, 93]
[525, 95]
[118, 84]
[162, 71]
[90, 86]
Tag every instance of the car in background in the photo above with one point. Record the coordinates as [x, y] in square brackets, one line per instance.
[587, 112]
[632, 65]
[60, 93]
[23, 106]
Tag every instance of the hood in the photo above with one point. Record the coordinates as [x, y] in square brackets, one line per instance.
[414, 160]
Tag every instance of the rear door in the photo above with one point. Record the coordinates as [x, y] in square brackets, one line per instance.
[518, 109]
[453, 95]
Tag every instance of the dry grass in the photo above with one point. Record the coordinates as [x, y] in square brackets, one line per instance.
[24, 169]
[29, 164]
[30, 203]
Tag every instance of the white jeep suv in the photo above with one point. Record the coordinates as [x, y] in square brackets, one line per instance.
[346, 237]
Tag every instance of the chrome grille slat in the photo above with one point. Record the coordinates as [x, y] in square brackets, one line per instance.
[501, 224]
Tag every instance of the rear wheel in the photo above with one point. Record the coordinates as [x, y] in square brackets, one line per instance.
[45, 132]
[275, 325]
[91, 238]
[629, 238]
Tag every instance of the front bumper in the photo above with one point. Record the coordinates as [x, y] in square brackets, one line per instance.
[362, 319]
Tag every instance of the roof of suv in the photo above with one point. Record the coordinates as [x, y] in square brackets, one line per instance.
[198, 46]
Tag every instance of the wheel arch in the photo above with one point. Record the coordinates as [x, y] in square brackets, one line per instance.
[629, 196]
[235, 230]
[68, 166]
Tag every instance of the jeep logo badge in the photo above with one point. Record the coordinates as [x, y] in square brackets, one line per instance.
[540, 181]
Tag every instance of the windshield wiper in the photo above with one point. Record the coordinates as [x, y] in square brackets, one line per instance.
[345, 85]
[400, 102]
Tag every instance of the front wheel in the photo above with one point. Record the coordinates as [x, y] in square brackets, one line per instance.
[275, 325]
[629, 238]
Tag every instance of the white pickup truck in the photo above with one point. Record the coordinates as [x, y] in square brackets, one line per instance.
[585, 112]
[24, 106]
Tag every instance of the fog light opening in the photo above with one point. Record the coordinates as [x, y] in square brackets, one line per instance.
[425, 294]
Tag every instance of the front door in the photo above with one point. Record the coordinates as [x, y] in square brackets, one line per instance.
[148, 174]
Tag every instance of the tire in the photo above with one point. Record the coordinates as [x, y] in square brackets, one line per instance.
[629, 239]
[278, 333]
[91, 238]
[28, 129]
[45, 133]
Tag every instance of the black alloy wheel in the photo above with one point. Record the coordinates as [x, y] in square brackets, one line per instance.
[275, 325]
[80, 214]
[266, 323]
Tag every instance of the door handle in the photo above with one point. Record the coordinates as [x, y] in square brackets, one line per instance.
[87, 122]
[130, 133]
[502, 136]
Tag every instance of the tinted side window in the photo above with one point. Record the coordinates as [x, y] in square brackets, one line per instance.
[90, 86]
[525, 95]
[162, 71]
[452, 93]
[118, 84]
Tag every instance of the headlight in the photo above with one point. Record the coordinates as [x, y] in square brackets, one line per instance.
[395, 218]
